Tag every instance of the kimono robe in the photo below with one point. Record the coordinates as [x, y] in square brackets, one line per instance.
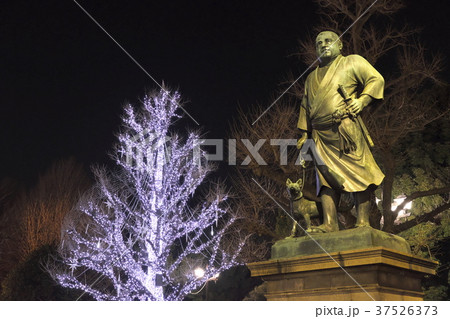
[357, 168]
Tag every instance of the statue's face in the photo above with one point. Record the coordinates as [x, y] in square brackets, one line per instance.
[328, 45]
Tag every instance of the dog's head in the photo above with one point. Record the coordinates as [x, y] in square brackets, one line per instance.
[294, 188]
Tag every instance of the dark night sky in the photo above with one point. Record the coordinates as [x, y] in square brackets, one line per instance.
[64, 81]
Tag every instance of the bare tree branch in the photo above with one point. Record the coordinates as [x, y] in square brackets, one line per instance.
[420, 219]
[441, 190]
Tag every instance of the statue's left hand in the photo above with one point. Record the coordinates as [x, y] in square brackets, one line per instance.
[355, 106]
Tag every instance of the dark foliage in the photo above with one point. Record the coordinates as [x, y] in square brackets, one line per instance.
[29, 281]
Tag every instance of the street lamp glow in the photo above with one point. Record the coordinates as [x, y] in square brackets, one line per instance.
[399, 200]
[199, 272]
[408, 205]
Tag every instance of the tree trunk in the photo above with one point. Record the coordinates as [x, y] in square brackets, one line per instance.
[389, 216]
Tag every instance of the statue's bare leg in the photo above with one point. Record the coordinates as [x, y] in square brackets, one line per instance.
[329, 199]
[362, 203]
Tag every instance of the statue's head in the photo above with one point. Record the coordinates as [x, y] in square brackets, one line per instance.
[328, 45]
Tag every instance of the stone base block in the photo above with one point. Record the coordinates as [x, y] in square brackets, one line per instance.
[356, 238]
[374, 273]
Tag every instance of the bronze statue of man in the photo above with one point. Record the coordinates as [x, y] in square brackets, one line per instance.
[335, 93]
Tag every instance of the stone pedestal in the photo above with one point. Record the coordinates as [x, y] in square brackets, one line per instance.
[317, 268]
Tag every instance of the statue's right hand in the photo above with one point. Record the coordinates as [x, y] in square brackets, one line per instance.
[302, 140]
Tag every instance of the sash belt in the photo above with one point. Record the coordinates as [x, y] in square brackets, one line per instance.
[346, 142]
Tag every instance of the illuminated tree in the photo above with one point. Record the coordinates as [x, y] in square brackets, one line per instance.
[140, 233]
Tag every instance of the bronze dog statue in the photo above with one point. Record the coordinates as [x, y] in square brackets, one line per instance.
[302, 209]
